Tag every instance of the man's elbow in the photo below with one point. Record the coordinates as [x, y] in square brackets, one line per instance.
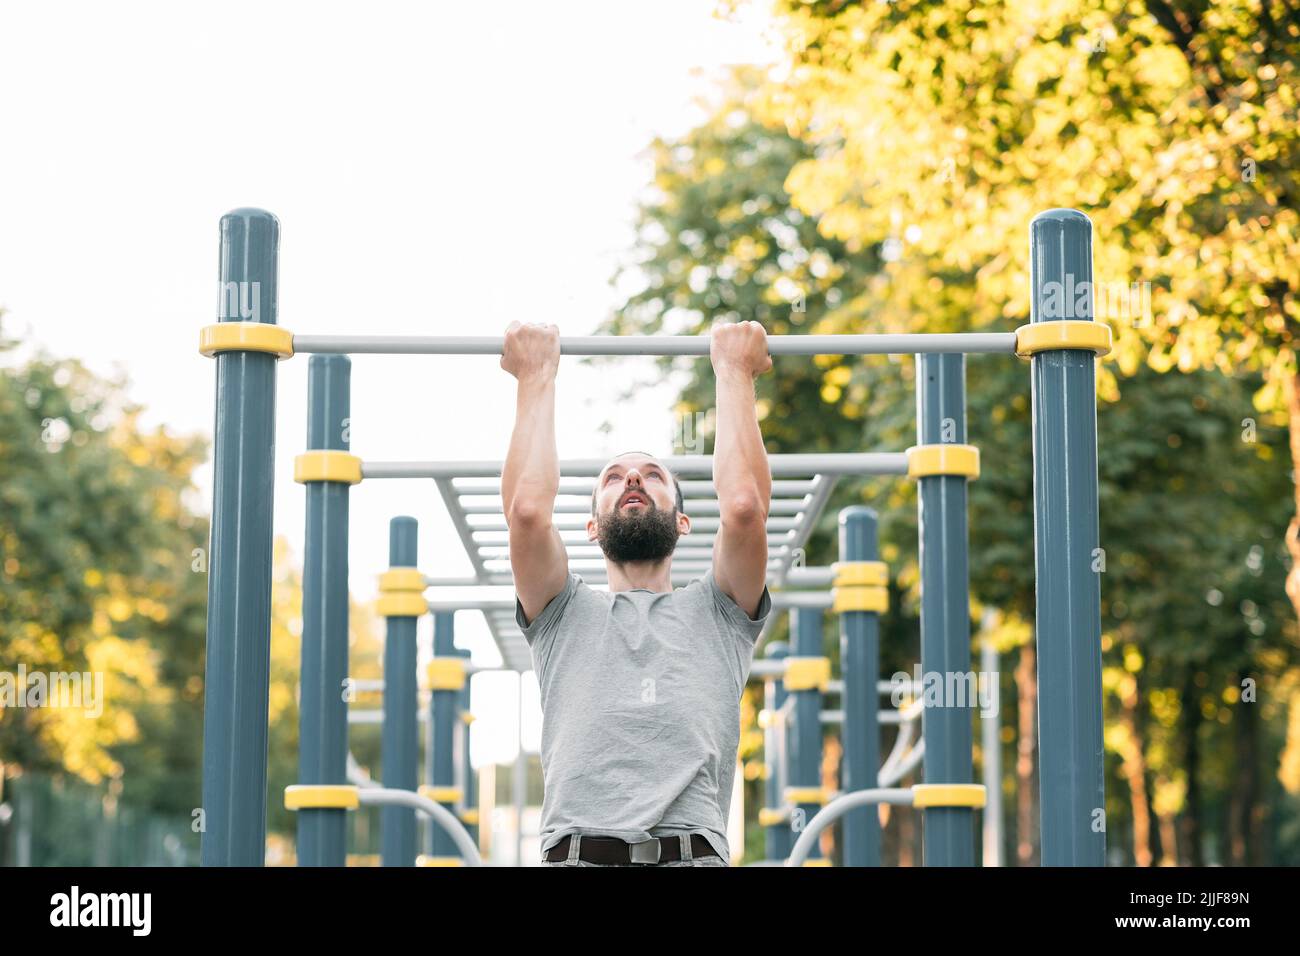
[528, 514]
[743, 511]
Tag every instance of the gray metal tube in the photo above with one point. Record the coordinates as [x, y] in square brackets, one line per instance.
[991, 747]
[1066, 547]
[945, 609]
[860, 664]
[778, 837]
[323, 713]
[237, 679]
[683, 466]
[806, 844]
[470, 781]
[806, 734]
[444, 718]
[910, 344]
[400, 741]
[440, 817]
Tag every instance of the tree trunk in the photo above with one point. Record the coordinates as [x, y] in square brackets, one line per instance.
[1243, 818]
[1190, 723]
[1026, 752]
[1134, 768]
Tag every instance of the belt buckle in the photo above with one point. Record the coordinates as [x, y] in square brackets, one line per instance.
[647, 851]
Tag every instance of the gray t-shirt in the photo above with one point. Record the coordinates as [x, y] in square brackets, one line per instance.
[640, 708]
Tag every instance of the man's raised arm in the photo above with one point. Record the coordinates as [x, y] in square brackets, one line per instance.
[742, 475]
[530, 477]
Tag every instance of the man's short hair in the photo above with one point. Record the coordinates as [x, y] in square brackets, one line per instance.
[681, 505]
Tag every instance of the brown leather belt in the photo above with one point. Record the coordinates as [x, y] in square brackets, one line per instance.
[599, 849]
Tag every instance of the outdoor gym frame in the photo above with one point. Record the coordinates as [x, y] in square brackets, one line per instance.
[247, 343]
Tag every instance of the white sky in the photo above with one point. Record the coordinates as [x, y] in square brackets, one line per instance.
[433, 166]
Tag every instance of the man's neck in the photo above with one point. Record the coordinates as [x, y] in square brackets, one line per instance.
[633, 575]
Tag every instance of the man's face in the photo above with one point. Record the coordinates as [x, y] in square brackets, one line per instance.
[636, 511]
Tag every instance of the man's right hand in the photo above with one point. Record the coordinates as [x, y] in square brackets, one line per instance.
[532, 351]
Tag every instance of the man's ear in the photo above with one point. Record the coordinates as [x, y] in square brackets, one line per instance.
[683, 524]
[591, 529]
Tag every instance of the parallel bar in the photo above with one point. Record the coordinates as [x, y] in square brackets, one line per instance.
[444, 708]
[906, 344]
[237, 680]
[1066, 543]
[780, 599]
[322, 717]
[945, 608]
[684, 466]
[585, 486]
[860, 664]
[400, 743]
[806, 733]
[702, 523]
[779, 837]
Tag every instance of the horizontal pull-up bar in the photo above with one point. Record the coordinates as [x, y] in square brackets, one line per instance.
[684, 466]
[885, 344]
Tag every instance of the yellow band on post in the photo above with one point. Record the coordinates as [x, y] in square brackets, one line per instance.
[807, 673]
[822, 862]
[943, 459]
[772, 816]
[327, 465]
[440, 794]
[948, 795]
[469, 817]
[859, 599]
[1064, 334]
[423, 860]
[807, 795]
[446, 673]
[321, 797]
[860, 573]
[467, 717]
[245, 337]
[401, 604]
[402, 579]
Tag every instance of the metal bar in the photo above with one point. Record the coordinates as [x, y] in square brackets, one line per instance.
[806, 732]
[445, 710]
[1066, 545]
[806, 845]
[945, 608]
[811, 600]
[991, 745]
[438, 814]
[882, 344]
[691, 506]
[323, 713]
[400, 742]
[698, 524]
[583, 486]
[237, 679]
[683, 466]
[860, 664]
[778, 836]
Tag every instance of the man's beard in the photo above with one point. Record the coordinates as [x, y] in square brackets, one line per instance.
[642, 534]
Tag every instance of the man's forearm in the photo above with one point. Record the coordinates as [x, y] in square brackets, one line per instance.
[742, 475]
[530, 477]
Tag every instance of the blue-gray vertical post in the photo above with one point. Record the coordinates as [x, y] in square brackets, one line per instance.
[860, 667]
[775, 751]
[1066, 549]
[400, 742]
[467, 766]
[443, 718]
[237, 677]
[323, 709]
[806, 737]
[949, 832]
